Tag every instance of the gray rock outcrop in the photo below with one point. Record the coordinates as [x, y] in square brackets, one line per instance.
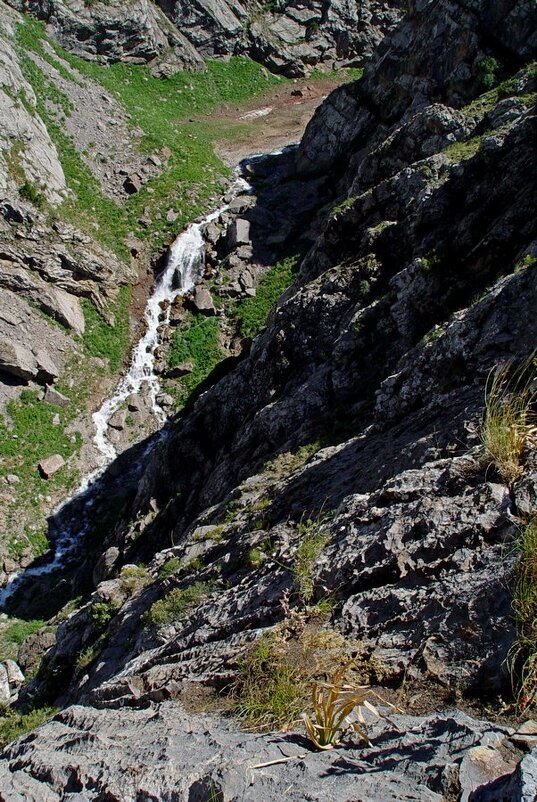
[115, 31]
[188, 757]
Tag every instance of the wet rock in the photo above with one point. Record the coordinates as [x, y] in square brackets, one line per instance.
[51, 465]
[118, 420]
[134, 403]
[213, 233]
[165, 400]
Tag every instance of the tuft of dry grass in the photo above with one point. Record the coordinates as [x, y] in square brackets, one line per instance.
[509, 422]
[523, 658]
[274, 682]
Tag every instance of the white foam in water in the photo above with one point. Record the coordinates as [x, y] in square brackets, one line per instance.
[185, 265]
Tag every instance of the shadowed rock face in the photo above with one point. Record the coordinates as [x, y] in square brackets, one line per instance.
[418, 281]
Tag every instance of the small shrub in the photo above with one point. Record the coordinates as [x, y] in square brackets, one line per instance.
[14, 724]
[169, 568]
[31, 193]
[275, 675]
[176, 604]
[509, 419]
[101, 614]
[133, 578]
[488, 67]
[255, 558]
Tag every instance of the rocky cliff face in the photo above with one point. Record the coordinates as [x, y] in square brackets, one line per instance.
[286, 37]
[113, 31]
[353, 422]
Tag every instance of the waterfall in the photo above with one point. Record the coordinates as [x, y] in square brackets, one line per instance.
[186, 260]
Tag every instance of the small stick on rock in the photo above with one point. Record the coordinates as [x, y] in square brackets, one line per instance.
[280, 760]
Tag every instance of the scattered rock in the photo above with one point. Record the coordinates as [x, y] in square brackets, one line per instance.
[12, 479]
[51, 465]
[132, 184]
[5, 691]
[105, 565]
[14, 674]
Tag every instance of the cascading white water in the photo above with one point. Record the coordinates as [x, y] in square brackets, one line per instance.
[185, 262]
[186, 259]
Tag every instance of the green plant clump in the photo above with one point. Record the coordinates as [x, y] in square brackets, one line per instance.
[309, 550]
[169, 568]
[104, 340]
[176, 604]
[101, 614]
[253, 312]
[30, 192]
[489, 67]
[197, 343]
[18, 631]
[14, 724]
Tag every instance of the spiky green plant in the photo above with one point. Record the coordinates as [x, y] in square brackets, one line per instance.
[333, 703]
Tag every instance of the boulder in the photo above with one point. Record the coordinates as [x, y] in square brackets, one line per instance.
[239, 232]
[118, 420]
[53, 396]
[5, 691]
[132, 184]
[105, 565]
[202, 301]
[51, 465]
[14, 674]
[179, 370]
[17, 360]
[134, 402]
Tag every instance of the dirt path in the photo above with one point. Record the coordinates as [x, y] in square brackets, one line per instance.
[268, 123]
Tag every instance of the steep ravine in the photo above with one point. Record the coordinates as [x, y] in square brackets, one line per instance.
[350, 424]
